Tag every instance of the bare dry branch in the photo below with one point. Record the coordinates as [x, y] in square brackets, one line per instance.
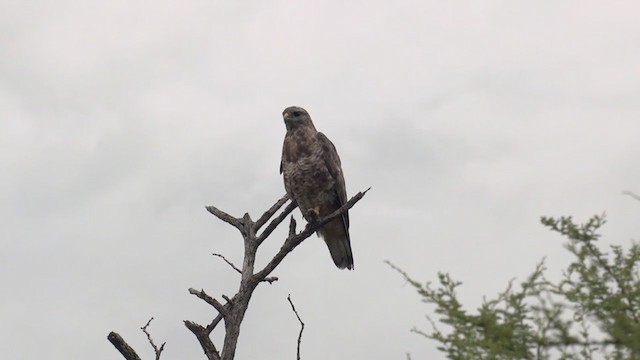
[214, 323]
[228, 262]
[203, 338]
[632, 194]
[122, 346]
[233, 311]
[314, 226]
[301, 325]
[157, 350]
[270, 279]
[269, 213]
[237, 223]
[293, 241]
[209, 300]
[275, 222]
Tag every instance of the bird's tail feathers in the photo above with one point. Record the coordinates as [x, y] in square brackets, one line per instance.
[336, 236]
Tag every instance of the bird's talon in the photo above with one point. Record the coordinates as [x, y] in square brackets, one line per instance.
[313, 215]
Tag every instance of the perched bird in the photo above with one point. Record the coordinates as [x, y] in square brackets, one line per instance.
[313, 179]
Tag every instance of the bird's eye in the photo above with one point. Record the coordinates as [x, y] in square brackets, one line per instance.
[297, 113]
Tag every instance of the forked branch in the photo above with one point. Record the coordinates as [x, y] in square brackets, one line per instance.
[157, 350]
[233, 311]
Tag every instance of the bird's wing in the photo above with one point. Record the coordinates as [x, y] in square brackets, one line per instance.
[284, 148]
[332, 162]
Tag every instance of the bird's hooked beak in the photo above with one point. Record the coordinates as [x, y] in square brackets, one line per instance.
[286, 116]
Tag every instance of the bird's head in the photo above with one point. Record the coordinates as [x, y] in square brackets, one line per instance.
[295, 117]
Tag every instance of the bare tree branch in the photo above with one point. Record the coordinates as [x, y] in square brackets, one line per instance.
[122, 346]
[235, 308]
[270, 279]
[205, 342]
[632, 194]
[301, 326]
[157, 350]
[275, 222]
[235, 222]
[269, 213]
[209, 300]
[214, 323]
[228, 262]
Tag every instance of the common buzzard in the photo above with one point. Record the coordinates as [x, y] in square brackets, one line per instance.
[313, 179]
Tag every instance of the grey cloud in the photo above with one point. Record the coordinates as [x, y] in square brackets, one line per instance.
[121, 120]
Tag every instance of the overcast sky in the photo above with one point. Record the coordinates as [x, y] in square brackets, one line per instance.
[120, 120]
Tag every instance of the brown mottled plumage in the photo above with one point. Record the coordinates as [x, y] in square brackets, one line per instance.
[313, 178]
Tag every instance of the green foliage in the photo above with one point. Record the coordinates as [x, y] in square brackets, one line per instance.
[592, 312]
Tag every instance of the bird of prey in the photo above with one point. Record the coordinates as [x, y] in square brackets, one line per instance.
[313, 179]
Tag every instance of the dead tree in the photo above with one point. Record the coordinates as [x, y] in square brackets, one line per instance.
[234, 308]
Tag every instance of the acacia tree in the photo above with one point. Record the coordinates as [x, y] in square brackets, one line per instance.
[234, 308]
[594, 310]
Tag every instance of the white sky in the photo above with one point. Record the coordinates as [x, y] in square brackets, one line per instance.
[120, 120]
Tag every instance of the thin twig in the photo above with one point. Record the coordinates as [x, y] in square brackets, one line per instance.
[209, 300]
[157, 350]
[622, 286]
[301, 325]
[269, 213]
[632, 194]
[228, 262]
[574, 342]
[270, 279]
[118, 342]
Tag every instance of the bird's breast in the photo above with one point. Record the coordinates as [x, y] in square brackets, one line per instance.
[308, 181]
